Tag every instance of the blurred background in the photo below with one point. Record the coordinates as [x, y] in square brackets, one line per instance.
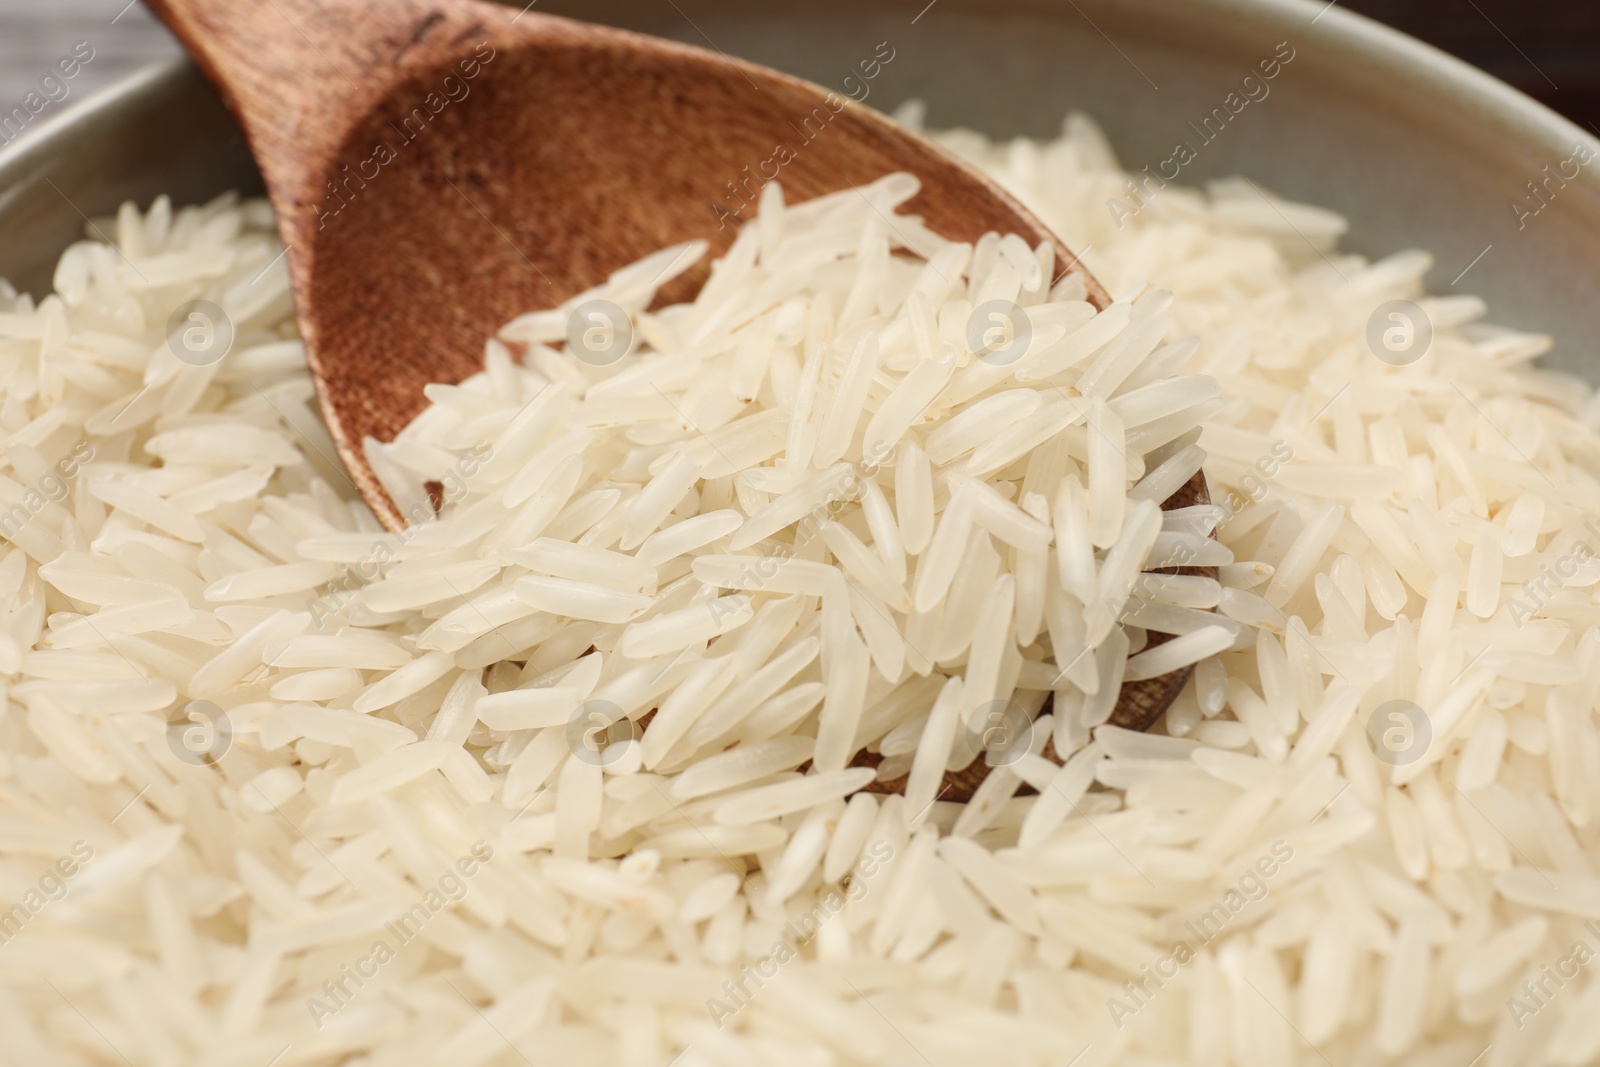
[34, 34]
[1549, 49]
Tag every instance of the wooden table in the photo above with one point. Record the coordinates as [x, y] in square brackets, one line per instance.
[34, 34]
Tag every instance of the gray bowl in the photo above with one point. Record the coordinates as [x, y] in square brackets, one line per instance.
[1414, 147]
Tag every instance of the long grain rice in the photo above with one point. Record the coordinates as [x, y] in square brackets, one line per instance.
[606, 716]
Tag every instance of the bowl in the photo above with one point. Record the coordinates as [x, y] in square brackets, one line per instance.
[1415, 148]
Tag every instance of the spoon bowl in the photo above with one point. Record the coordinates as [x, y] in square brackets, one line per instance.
[439, 168]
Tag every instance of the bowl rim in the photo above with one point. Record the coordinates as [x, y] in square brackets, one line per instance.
[43, 141]
[1424, 62]
[1350, 32]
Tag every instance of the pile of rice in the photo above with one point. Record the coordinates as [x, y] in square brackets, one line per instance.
[571, 773]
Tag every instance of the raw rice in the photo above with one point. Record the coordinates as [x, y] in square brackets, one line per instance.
[598, 719]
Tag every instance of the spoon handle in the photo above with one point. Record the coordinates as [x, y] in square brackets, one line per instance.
[300, 74]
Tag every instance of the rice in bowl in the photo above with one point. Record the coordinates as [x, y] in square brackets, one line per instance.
[279, 783]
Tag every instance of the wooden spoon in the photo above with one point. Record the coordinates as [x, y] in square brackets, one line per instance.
[440, 167]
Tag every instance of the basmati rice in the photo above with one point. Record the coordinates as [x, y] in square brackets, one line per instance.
[598, 720]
